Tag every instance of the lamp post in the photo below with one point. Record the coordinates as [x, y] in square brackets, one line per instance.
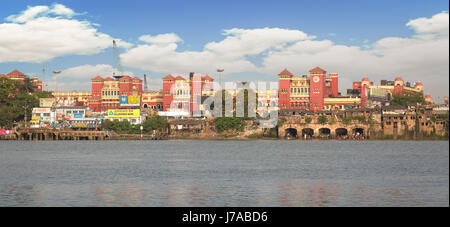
[56, 77]
[142, 128]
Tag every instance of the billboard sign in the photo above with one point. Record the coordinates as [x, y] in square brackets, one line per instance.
[41, 110]
[78, 115]
[46, 102]
[35, 119]
[124, 113]
[379, 93]
[131, 100]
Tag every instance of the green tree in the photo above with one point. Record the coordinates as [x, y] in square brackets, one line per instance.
[404, 99]
[229, 123]
[16, 101]
[308, 120]
[322, 119]
[154, 122]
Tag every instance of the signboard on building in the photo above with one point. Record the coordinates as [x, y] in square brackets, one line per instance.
[131, 100]
[78, 115]
[35, 119]
[378, 93]
[41, 110]
[124, 113]
[46, 102]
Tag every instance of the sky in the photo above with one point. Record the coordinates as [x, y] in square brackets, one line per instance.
[252, 40]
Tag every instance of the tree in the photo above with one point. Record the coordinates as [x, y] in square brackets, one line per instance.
[322, 119]
[229, 123]
[404, 99]
[154, 122]
[16, 101]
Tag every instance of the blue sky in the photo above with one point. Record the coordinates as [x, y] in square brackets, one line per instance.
[351, 23]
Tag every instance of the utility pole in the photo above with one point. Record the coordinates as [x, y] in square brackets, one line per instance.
[220, 71]
[43, 77]
[145, 83]
[56, 74]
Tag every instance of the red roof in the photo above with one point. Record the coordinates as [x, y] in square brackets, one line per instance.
[317, 70]
[427, 96]
[109, 79]
[1, 75]
[365, 79]
[286, 72]
[97, 78]
[137, 78]
[179, 78]
[125, 78]
[398, 79]
[168, 77]
[207, 77]
[419, 83]
[15, 73]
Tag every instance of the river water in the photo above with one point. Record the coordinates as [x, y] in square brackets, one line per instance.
[224, 173]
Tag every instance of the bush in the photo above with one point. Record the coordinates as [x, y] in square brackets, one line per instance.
[229, 123]
[322, 120]
[308, 120]
[154, 122]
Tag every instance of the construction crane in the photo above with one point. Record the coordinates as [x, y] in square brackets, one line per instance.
[117, 56]
[145, 83]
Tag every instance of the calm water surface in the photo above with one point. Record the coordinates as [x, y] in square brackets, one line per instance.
[224, 173]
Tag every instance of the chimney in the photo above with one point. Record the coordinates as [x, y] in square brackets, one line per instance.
[191, 76]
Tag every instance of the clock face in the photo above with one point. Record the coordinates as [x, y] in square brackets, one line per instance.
[316, 79]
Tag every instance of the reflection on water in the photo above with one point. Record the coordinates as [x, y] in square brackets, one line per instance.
[151, 174]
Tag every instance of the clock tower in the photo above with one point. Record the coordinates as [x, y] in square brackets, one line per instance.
[317, 86]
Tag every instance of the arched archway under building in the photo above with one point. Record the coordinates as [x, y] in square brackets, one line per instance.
[307, 133]
[358, 133]
[341, 133]
[324, 132]
[291, 133]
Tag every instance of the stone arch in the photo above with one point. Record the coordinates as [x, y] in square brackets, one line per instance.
[291, 133]
[358, 131]
[341, 132]
[324, 132]
[307, 133]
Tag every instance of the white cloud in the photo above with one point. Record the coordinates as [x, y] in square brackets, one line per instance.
[437, 24]
[90, 71]
[163, 39]
[36, 36]
[229, 53]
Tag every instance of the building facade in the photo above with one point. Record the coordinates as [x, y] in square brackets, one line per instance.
[107, 92]
[318, 91]
[370, 92]
[20, 77]
[186, 94]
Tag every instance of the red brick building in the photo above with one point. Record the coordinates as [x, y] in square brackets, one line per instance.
[106, 92]
[307, 93]
[180, 93]
[19, 76]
